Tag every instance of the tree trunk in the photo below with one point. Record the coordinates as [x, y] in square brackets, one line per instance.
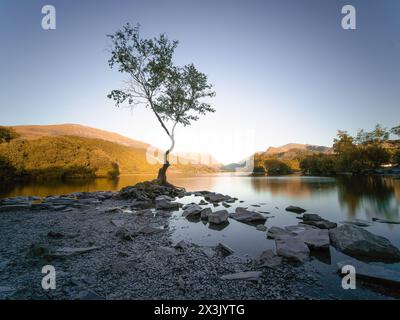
[162, 173]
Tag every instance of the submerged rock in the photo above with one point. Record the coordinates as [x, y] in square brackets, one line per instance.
[358, 222]
[292, 248]
[218, 217]
[373, 274]
[315, 238]
[316, 221]
[360, 243]
[276, 232]
[295, 209]
[385, 221]
[192, 210]
[244, 215]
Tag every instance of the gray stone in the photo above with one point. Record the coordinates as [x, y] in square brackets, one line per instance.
[358, 222]
[114, 210]
[149, 230]
[295, 209]
[292, 248]
[205, 213]
[268, 259]
[193, 210]
[123, 234]
[247, 275]
[276, 233]
[311, 217]
[167, 205]
[209, 252]
[167, 250]
[261, 227]
[66, 251]
[181, 245]
[216, 197]
[315, 238]
[360, 243]
[218, 217]
[244, 215]
[224, 249]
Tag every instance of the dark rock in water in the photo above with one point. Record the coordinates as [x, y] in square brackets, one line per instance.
[226, 205]
[358, 222]
[40, 206]
[142, 204]
[243, 215]
[261, 227]
[360, 243]
[276, 232]
[224, 249]
[385, 221]
[192, 210]
[202, 202]
[291, 248]
[268, 259]
[205, 213]
[317, 221]
[373, 274]
[247, 275]
[164, 204]
[218, 217]
[295, 209]
[315, 238]
[217, 197]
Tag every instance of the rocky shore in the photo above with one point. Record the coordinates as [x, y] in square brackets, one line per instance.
[107, 245]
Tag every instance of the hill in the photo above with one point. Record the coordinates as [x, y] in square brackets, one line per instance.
[289, 155]
[32, 132]
[47, 152]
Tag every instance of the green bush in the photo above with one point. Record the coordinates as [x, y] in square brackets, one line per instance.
[276, 167]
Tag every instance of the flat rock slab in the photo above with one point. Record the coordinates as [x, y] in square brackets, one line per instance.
[358, 222]
[277, 232]
[65, 252]
[269, 259]
[315, 238]
[247, 275]
[360, 243]
[292, 248]
[192, 210]
[371, 273]
[244, 215]
[295, 209]
[118, 222]
[385, 221]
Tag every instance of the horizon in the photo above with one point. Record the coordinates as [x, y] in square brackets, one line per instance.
[306, 79]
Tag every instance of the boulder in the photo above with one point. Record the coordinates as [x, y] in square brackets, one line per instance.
[292, 248]
[164, 204]
[244, 215]
[360, 243]
[193, 210]
[295, 209]
[276, 233]
[205, 213]
[247, 275]
[216, 197]
[218, 217]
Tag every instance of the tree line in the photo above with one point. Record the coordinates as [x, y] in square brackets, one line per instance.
[363, 153]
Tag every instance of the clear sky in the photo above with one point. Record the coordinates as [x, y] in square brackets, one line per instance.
[284, 71]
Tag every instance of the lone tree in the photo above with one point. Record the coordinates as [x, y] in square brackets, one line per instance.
[174, 94]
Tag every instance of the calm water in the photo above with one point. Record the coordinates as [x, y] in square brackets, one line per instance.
[335, 199]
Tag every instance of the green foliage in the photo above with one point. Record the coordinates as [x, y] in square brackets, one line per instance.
[7, 171]
[367, 151]
[7, 134]
[276, 167]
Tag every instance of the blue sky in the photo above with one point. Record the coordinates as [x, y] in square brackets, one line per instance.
[284, 71]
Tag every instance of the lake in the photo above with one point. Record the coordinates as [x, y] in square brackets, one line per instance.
[336, 199]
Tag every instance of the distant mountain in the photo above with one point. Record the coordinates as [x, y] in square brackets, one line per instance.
[297, 146]
[32, 132]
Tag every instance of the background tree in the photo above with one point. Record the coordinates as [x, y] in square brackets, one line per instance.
[174, 94]
[7, 134]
